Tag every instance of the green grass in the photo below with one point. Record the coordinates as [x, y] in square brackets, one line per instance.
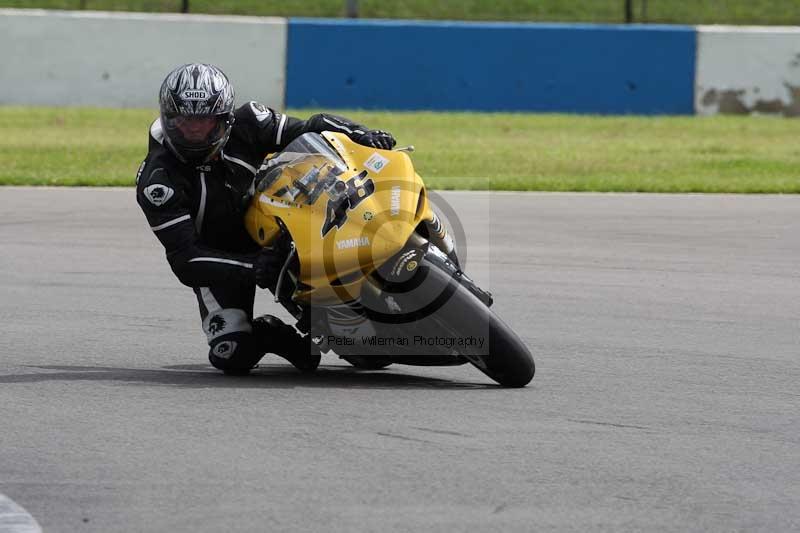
[785, 12]
[49, 146]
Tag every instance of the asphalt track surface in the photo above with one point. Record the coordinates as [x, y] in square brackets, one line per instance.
[666, 332]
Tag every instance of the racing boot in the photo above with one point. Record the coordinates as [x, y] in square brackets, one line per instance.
[273, 336]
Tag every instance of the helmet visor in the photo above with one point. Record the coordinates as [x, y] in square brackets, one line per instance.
[196, 133]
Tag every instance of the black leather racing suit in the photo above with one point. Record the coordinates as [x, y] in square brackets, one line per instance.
[197, 214]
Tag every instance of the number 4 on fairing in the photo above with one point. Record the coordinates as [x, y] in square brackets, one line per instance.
[337, 208]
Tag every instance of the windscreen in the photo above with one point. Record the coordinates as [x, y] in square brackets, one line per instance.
[310, 167]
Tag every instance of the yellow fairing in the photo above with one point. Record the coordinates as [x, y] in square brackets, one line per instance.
[333, 266]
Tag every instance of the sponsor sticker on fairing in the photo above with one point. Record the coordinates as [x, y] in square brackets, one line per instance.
[406, 261]
[264, 199]
[376, 163]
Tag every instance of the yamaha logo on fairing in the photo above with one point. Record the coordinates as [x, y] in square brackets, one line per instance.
[352, 243]
[194, 95]
[395, 201]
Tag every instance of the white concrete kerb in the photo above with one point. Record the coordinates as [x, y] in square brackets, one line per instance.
[15, 519]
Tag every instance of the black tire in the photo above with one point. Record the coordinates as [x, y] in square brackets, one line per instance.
[459, 313]
[509, 363]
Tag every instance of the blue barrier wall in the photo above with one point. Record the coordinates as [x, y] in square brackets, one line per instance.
[490, 66]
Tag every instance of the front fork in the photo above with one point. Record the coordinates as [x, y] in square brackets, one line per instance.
[443, 248]
[439, 237]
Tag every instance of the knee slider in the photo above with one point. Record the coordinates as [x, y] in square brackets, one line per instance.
[235, 351]
[229, 334]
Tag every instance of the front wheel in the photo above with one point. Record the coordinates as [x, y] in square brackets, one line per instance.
[456, 313]
[507, 360]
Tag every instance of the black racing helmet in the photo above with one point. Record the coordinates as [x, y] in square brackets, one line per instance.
[196, 103]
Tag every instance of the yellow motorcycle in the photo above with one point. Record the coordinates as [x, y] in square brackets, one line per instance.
[370, 270]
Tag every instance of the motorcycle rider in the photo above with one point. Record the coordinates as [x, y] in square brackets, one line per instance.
[194, 187]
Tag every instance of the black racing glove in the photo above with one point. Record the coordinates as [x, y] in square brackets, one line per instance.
[376, 139]
[266, 266]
